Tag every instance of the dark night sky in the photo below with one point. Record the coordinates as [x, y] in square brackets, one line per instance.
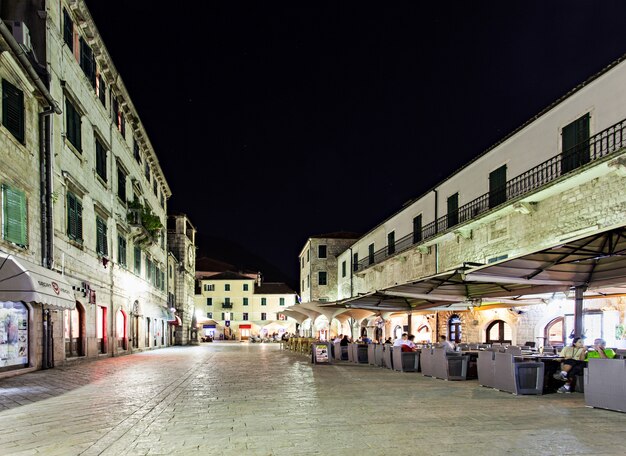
[276, 122]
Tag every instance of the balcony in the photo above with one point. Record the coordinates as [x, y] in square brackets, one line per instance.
[593, 149]
[146, 225]
[227, 305]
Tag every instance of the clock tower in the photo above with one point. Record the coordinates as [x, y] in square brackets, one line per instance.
[181, 239]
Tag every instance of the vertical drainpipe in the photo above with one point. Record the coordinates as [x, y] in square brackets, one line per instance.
[45, 175]
[351, 272]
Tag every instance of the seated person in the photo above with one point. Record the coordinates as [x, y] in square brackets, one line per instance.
[600, 350]
[409, 345]
[445, 343]
[572, 364]
[401, 340]
[345, 341]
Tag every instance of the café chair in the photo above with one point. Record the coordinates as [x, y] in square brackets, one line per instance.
[387, 358]
[449, 366]
[379, 355]
[405, 361]
[604, 384]
[426, 361]
[486, 368]
[518, 378]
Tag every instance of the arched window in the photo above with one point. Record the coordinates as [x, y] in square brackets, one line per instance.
[557, 332]
[499, 331]
[74, 332]
[454, 329]
[397, 332]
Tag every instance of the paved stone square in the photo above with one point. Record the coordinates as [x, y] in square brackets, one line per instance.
[255, 399]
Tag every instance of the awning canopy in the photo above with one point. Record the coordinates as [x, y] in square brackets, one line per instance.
[597, 261]
[175, 321]
[21, 280]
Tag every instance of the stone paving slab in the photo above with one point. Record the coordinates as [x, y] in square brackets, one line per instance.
[255, 399]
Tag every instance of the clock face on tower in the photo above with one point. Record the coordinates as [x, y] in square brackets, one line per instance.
[190, 255]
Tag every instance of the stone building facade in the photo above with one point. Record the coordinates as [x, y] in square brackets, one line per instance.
[181, 236]
[101, 196]
[557, 180]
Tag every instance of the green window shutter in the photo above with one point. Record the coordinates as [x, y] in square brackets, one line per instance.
[417, 229]
[575, 144]
[79, 221]
[101, 160]
[68, 30]
[73, 121]
[497, 186]
[71, 216]
[101, 237]
[14, 216]
[13, 110]
[453, 210]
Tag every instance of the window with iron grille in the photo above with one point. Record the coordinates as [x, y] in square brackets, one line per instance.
[121, 184]
[74, 218]
[68, 30]
[73, 124]
[13, 110]
[263, 316]
[14, 216]
[321, 277]
[121, 250]
[101, 237]
[245, 316]
[101, 160]
[137, 257]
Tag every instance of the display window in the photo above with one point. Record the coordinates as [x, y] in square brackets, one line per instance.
[13, 335]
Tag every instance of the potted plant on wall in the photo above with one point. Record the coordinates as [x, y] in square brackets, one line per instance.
[142, 216]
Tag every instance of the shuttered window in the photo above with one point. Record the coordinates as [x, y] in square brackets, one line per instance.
[74, 218]
[355, 262]
[370, 253]
[137, 256]
[121, 250]
[575, 146]
[101, 90]
[497, 186]
[417, 229]
[14, 216]
[101, 160]
[453, 210]
[121, 184]
[87, 62]
[68, 30]
[391, 243]
[72, 119]
[13, 110]
[136, 153]
[101, 237]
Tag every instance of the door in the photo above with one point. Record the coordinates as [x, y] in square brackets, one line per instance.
[575, 144]
[497, 187]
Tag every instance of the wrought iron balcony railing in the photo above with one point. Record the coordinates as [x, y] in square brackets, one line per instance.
[596, 147]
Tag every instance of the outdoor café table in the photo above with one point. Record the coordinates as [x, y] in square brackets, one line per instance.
[552, 364]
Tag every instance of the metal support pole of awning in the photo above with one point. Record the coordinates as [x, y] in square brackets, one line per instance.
[578, 310]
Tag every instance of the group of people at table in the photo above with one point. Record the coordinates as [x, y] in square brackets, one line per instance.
[574, 356]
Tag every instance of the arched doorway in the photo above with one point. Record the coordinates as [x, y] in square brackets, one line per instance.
[499, 331]
[74, 331]
[454, 329]
[120, 330]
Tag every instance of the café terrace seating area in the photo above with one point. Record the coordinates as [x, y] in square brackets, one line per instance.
[513, 369]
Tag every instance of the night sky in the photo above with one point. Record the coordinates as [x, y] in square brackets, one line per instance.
[274, 122]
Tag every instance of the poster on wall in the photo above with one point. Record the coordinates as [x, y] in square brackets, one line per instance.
[13, 334]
